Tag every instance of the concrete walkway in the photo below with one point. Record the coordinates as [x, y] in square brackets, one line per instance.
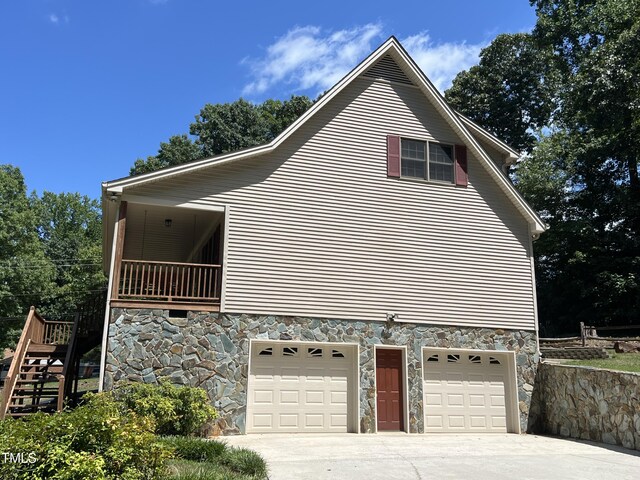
[402, 456]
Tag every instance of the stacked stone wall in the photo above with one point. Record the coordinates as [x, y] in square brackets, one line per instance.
[211, 351]
[588, 404]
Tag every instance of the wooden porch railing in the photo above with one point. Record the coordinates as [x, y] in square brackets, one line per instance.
[171, 282]
[57, 333]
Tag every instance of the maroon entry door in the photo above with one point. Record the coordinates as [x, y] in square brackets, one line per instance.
[389, 389]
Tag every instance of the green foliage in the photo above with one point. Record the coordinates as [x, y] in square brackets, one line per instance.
[510, 92]
[10, 330]
[226, 127]
[216, 460]
[26, 275]
[194, 448]
[245, 461]
[189, 470]
[70, 231]
[97, 440]
[50, 252]
[179, 149]
[176, 410]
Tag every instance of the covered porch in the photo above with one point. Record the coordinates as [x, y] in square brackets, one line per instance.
[167, 257]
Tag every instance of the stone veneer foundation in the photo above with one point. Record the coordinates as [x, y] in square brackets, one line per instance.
[211, 350]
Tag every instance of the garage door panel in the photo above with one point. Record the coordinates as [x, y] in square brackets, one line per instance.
[314, 420]
[288, 420]
[339, 398]
[338, 420]
[433, 399]
[263, 397]
[478, 421]
[464, 392]
[310, 395]
[263, 420]
[290, 396]
[314, 397]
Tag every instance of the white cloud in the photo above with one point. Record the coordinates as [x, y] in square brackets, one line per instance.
[441, 62]
[57, 19]
[310, 58]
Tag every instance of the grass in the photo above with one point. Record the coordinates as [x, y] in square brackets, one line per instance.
[200, 459]
[190, 470]
[626, 362]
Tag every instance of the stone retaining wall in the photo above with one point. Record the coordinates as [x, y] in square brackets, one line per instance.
[588, 404]
[211, 351]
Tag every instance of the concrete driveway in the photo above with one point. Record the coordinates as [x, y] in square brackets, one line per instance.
[402, 456]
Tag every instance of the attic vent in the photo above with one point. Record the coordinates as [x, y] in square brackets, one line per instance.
[387, 69]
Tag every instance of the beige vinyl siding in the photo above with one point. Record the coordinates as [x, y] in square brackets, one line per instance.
[317, 229]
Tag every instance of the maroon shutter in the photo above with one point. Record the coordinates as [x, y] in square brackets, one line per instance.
[461, 166]
[393, 156]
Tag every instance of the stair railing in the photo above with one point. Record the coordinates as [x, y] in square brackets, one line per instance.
[33, 331]
[69, 362]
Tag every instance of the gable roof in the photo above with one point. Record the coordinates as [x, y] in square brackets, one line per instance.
[392, 47]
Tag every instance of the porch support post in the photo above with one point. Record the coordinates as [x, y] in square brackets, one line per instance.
[117, 270]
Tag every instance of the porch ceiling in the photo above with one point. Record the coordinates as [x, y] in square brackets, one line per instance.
[147, 236]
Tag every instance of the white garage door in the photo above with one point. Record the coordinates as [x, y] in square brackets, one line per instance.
[464, 391]
[300, 388]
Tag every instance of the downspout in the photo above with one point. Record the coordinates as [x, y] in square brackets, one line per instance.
[533, 237]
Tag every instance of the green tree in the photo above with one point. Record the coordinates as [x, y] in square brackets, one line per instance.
[595, 46]
[70, 231]
[226, 127]
[179, 149]
[510, 92]
[26, 275]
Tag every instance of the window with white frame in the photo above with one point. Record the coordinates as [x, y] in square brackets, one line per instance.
[427, 160]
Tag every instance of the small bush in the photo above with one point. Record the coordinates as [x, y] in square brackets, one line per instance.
[191, 448]
[176, 410]
[189, 470]
[96, 440]
[245, 461]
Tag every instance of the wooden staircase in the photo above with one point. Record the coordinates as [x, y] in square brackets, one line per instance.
[45, 365]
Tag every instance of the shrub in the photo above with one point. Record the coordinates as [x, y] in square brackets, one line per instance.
[96, 440]
[191, 448]
[176, 410]
[244, 461]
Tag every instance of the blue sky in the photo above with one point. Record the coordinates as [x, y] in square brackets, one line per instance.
[88, 86]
